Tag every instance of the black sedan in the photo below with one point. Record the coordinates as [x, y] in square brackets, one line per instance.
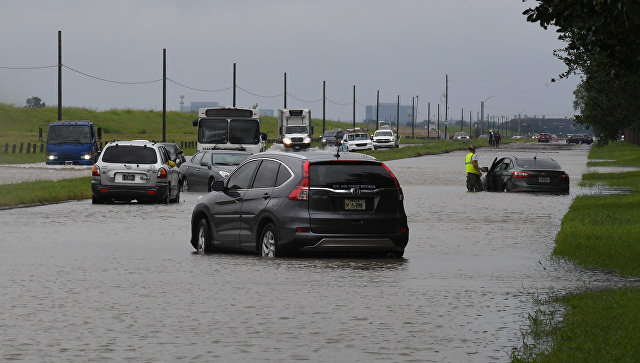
[526, 174]
[199, 172]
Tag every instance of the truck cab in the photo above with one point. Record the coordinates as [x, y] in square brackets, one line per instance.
[72, 142]
[294, 128]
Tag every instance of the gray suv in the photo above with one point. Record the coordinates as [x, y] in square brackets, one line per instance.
[138, 169]
[277, 203]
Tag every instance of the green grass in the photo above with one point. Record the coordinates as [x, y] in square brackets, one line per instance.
[45, 191]
[598, 326]
[602, 232]
[598, 232]
[616, 153]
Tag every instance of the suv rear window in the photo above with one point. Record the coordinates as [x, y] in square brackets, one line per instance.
[130, 154]
[347, 175]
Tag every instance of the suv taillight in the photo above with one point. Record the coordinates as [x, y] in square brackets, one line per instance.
[162, 173]
[564, 176]
[95, 171]
[395, 180]
[301, 192]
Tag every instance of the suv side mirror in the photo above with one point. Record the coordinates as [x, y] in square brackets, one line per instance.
[217, 185]
[205, 164]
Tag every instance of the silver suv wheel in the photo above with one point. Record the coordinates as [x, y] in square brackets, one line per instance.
[268, 241]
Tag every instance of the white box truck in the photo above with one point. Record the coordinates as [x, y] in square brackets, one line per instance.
[294, 128]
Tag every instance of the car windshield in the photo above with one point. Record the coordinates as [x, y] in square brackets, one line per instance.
[348, 175]
[129, 154]
[69, 134]
[228, 158]
[296, 129]
[384, 133]
[537, 164]
[331, 133]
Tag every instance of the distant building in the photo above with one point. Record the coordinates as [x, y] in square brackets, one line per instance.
[388, 112]
[195, 106]
[267, 112]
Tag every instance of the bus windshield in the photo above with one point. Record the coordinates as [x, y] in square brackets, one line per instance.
[244, 132]
[212, 131]
[69, 134]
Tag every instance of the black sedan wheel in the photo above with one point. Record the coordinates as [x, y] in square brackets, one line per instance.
[204, 237]
[269, 241]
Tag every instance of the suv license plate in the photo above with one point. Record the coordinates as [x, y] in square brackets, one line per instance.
[543, 179]
[128, 177]
[354, 204]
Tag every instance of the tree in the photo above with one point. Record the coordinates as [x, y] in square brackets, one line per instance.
[34, 102]
[603, 46]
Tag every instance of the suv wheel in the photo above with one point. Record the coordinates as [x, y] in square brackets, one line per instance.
[177, 198]
[268, 241]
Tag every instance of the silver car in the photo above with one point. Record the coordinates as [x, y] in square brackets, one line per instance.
[138, 169]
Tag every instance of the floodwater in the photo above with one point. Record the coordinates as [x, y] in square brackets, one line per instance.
[121, 282]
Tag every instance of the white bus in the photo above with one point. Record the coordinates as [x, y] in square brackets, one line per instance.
[230, 128]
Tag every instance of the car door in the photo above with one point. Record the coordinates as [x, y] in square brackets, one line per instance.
[491, 175]
[189, 169]
[255, 201]
[227, 209]
[173, 173]
[505, 168]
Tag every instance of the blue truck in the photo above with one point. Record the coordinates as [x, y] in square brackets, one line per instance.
[72, 142]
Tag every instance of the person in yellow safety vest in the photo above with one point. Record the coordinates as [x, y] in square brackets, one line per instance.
[473, 170]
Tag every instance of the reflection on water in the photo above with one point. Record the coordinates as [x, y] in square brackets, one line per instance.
[121, 282]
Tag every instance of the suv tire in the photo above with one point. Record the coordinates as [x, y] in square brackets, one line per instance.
[269, 241]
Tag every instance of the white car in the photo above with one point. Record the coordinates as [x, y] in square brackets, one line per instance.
[354, 141]
[461, 136]
[384, 138]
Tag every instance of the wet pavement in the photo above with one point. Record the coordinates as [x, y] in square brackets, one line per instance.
[121, 282]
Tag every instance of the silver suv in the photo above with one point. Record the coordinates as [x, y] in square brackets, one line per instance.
[138, 169]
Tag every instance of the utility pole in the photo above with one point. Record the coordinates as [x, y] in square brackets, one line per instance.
[398, 117]
[438, 121]
[234, 85]
[470, 123]
[164, 94]
[413, 117]
[324, 104]
[59, 75]
[462, 119]
[377, 110]
[417, 109]
[481, 115]
[446, 105]
[354, 106]
[285, 90]
[428, 119]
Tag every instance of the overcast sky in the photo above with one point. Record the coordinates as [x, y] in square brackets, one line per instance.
[399, 47]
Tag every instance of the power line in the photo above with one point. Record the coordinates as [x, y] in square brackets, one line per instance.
[198, 89]
[109, 80]
[35, 67]
[257, 95]
[303, 100]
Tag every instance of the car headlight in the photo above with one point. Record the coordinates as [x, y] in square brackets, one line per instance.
[307, 140]
[225, 174]
[52, 157]
[86, 156]
[286, 141]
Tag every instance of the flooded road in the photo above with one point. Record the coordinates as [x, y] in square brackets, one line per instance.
[121, 282]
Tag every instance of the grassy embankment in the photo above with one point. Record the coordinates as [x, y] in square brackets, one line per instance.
[598, 232]
[44, 191]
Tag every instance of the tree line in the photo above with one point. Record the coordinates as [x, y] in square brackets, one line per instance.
[603, 48]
